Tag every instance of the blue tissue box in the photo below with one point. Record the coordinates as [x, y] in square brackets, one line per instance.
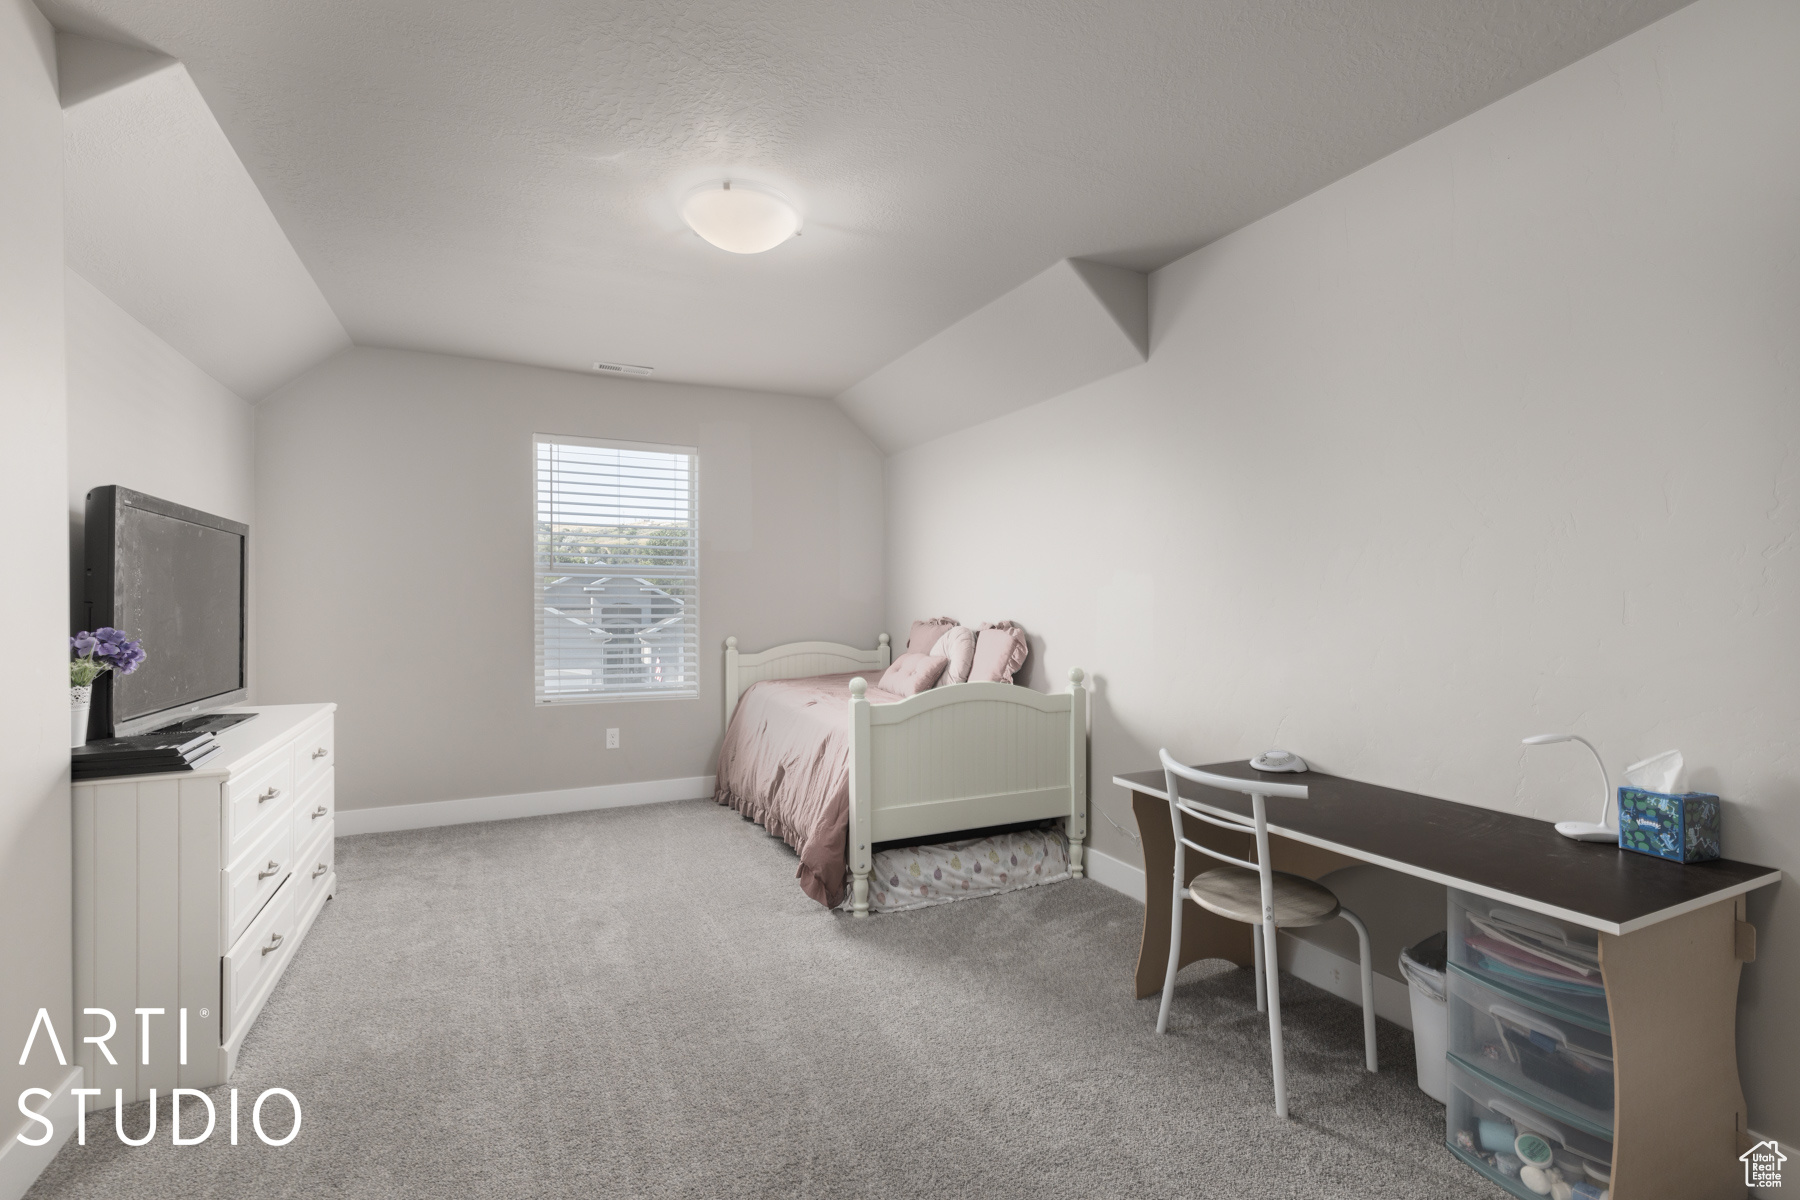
[1681, 828]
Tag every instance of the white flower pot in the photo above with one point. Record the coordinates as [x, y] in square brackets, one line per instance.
[80, 699]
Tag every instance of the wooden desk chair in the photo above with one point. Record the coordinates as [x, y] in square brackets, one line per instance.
[1270, 898]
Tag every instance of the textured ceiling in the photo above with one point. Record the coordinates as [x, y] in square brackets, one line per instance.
[500, 179]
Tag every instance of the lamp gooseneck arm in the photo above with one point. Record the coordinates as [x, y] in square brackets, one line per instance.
[1605, 779]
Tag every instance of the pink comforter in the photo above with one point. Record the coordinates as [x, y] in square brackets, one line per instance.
[785, 764]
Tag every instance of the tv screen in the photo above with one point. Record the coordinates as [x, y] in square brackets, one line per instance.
[172, 577]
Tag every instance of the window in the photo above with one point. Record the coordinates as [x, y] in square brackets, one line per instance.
[617, 571]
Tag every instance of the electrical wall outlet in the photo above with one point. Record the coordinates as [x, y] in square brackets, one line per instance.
[612, 739]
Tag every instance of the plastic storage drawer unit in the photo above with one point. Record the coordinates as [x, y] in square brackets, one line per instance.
[1495, 1132]
[1546, 964]
[1563, 1065]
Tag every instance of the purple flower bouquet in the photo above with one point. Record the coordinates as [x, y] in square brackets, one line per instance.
[101, 651]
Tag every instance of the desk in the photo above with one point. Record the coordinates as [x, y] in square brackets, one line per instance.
[1672, 941]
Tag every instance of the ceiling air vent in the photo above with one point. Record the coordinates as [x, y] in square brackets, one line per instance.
[621, 369]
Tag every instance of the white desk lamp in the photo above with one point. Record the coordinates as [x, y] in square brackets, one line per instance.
[1581, 831]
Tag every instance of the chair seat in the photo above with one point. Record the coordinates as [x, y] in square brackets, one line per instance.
[1237, 894]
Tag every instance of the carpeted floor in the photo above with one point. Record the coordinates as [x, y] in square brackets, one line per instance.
[641, 1002]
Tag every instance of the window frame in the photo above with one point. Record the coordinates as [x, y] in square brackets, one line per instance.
[540, 698]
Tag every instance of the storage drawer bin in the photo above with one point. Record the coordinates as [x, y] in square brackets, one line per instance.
[1548, 964]
[1563, 1065]
[1481, 1119]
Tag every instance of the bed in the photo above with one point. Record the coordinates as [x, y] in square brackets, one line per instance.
[832, 765]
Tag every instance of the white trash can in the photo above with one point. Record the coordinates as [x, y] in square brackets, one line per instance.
[1423, 966]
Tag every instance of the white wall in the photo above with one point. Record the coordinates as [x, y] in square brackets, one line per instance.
[395, 526]
[35, 889]
[142, 415]
[1497, 436]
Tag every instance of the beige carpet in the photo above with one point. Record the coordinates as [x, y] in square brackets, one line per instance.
[641, 1002]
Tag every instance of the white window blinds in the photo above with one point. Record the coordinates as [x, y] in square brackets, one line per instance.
[617, 570]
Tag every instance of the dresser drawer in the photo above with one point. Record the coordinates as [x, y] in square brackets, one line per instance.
[312, 869]
[314, 810]
[257, 798]
[314, 753]
[254, 876]
[256, 958]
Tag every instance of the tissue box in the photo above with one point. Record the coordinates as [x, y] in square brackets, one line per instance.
[1682, 828]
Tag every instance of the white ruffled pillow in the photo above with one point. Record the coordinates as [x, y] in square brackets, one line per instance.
[958, 645]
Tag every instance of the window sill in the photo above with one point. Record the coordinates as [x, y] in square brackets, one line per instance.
[628, 698]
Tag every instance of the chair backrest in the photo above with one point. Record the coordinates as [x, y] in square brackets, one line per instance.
[1258, 824]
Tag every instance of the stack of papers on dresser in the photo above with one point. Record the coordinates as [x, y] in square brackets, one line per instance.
[145, 754]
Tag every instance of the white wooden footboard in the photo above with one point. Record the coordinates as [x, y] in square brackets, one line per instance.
[964, 757]
[796, 660]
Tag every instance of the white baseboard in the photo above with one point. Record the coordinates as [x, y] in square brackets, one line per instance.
[20, 1165]
[1115, 873]
[1303, 960]
[1342, 977]
[352, 821]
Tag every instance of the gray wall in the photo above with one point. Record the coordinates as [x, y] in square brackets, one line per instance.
[1495, 437]
[394, 509]
[142, 415]
[35, 887]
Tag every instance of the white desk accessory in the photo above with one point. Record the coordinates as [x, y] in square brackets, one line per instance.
[1581, 831]
[1278, 760]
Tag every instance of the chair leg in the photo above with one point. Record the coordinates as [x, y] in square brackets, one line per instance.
[1368, 985]
[1267, 933]
[1168, 996]
[1262, 981]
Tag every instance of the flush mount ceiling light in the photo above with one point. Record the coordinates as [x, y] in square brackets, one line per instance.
[741, 218]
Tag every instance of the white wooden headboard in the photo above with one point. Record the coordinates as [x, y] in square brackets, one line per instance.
[796, 660]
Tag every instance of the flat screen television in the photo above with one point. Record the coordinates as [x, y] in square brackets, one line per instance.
[173, 577]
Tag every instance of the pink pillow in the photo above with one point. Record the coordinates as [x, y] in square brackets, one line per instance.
[957, 645]
[926, 633]
[912, 673]
[1000, 651]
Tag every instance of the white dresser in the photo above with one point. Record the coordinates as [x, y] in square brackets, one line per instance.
[194, 890]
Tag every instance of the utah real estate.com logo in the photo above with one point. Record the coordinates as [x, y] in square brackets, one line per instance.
[36, 1117]
[1762, 1165]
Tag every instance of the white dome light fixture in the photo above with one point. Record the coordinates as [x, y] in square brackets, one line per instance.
[741, 218]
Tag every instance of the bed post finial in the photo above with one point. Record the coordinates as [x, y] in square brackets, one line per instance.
[859, 687]
[882, 640]
[731, 643]
[1076, 675]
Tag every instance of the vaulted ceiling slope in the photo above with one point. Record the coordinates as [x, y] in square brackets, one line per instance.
[501, 179]
[162, 217]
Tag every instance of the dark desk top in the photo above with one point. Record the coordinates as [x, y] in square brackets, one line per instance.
[1503, 856]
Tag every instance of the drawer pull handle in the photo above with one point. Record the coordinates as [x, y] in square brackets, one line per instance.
[268, 795]
[320, 870]
[270, 870]
[274, 944]
[321, 752]
[319, 812]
